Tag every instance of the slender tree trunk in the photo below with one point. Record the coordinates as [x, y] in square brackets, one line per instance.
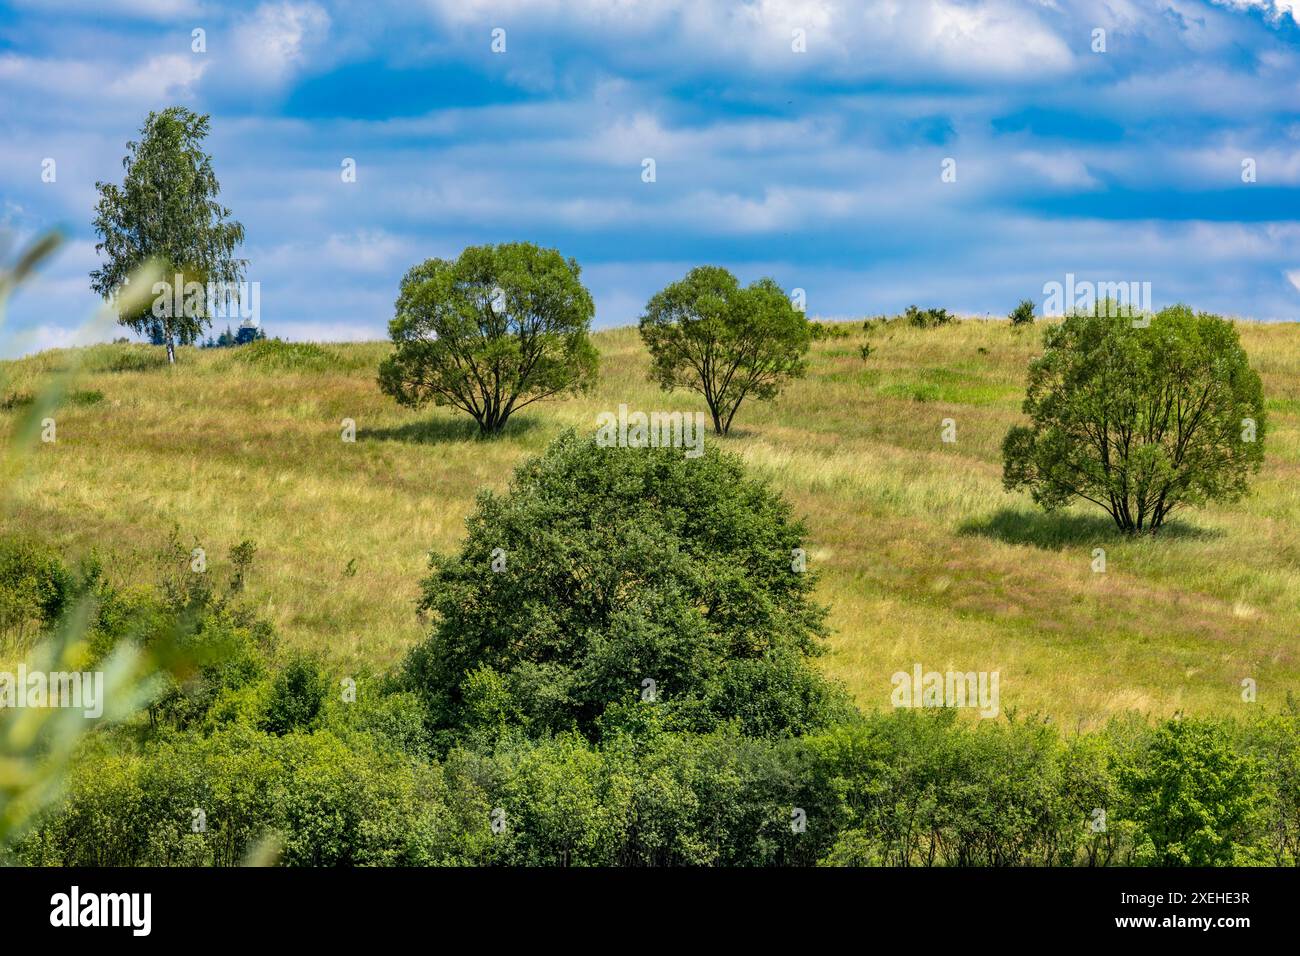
[717, 419]
[171, 353]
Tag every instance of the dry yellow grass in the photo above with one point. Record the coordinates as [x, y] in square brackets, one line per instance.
[923, 557]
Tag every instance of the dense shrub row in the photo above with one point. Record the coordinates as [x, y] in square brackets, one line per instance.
[901, 789]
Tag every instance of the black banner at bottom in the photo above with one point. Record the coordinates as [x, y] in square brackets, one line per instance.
[335, 906]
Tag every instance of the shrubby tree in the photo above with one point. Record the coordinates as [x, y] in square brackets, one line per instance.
[1196, 799]
[297, 696]
[166, 210]
[613, 575]
[1139, 420]
[35, 587]
[1023, 313]
[248, 333]
[707, 334]
[490, 333]
[928, 318]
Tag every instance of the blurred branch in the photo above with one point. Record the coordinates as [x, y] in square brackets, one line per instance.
[38, 743]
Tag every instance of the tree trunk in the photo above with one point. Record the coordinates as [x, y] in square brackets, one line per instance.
[171, 353]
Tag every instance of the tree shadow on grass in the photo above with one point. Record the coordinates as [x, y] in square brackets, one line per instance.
[1054, 531]
[439, 431]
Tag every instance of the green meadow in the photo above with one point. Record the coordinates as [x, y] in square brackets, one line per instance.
[921, 555]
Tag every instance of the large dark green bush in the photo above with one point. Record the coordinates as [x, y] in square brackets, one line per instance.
[35, 587]
[297, 696]
[603, 569]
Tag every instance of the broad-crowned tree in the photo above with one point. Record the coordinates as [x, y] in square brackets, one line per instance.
[491, 332]
[1140, 416]
[707, 334]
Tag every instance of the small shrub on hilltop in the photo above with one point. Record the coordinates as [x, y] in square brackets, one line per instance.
[274, 354]
[1023, 314]
[822, 331]
[928, 318]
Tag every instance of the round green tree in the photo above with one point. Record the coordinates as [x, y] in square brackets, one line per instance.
[612, 576]
[1141, 416]
[708, 334]
[491, 332]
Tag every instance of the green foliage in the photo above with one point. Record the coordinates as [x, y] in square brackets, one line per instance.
[35, 587]
[1275, 746]
[822, 331]
[490, 333]
[275, 355]
[80, 398]
[37, 745]
[297, 696]
[1023, 313]
[707, 334]
[241, 558]
[166, 211]
[244, 335]
[83, 398]
[210, 646]
[1196, 800]
[920, 790]
[330, 800]
[624, 565]
[647, 797]
[1141, 421]
[928, 318]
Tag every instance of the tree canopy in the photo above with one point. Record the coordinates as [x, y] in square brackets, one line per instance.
[707, 334]
[166, 211]
[491, 332]
[1139, 417]
[606, 577]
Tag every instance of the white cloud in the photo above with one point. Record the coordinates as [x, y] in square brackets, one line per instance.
[274, 42]
[996, 38]
[162, 77]
[1275, 9]
[1058, 169]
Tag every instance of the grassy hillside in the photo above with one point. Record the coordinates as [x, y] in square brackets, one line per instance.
[923, 557]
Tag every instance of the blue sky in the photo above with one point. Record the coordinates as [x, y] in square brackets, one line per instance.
[821, 168]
